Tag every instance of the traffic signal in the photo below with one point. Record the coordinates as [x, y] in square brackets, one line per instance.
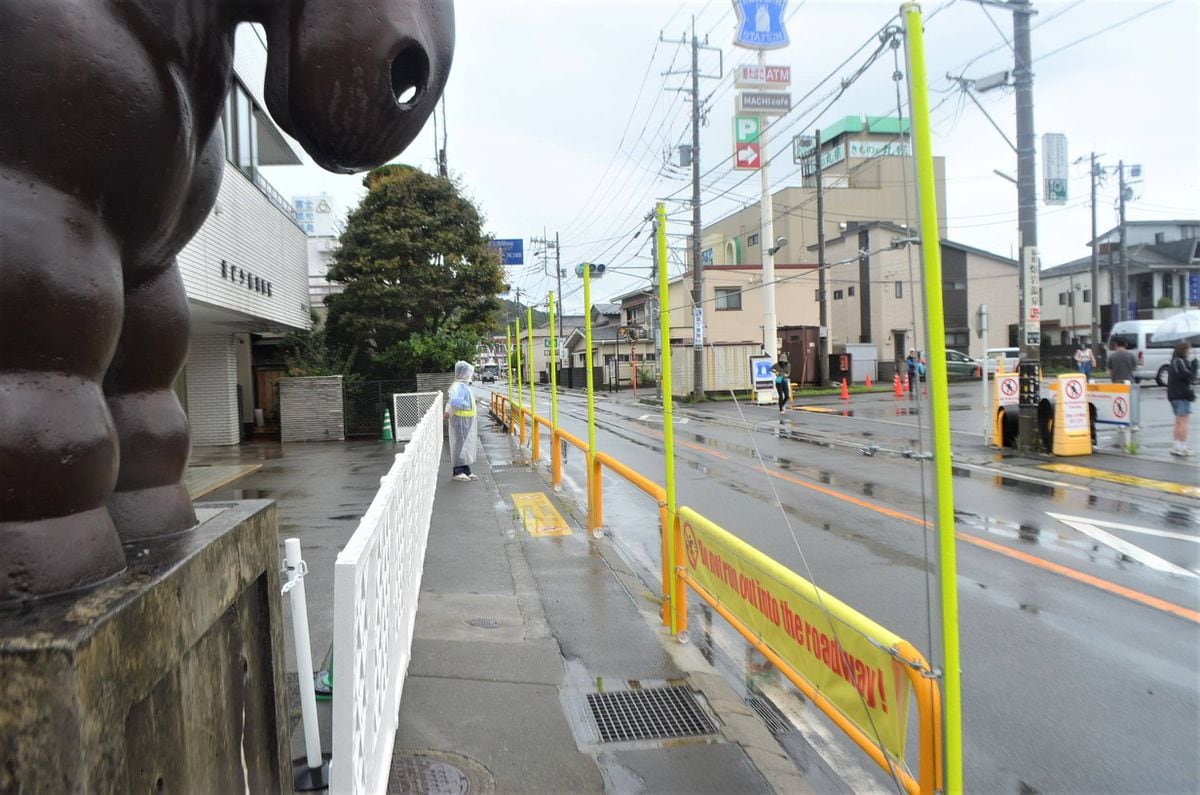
[597, 269]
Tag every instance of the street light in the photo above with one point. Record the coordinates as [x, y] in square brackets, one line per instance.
[780, 242]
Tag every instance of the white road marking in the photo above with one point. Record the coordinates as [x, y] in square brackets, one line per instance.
[1146, 558]
[1132, 528]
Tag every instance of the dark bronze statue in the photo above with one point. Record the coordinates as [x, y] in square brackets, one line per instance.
[110, 159]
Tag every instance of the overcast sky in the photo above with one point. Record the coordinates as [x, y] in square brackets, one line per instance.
[558, 115]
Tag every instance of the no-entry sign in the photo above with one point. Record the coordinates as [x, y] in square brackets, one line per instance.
[1073, 393]
[1008, 387]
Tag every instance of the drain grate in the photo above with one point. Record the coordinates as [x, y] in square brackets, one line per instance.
[655, 713]
[770, 715]
[484, 623]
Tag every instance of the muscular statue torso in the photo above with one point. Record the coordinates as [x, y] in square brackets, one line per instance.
[110, 159]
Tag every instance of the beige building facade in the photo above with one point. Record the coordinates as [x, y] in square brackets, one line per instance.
[876, 297]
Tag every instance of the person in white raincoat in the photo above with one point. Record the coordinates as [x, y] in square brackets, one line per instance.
[460, 411]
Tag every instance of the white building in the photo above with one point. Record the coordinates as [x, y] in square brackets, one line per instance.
[1163, 262]
[245, 273]
[321, 219]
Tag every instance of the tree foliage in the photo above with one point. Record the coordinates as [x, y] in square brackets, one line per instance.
[421, 282]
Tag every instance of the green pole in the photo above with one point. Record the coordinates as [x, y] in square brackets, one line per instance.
[664, 330]
[591, 403]
[520, 383]
[939, 395]
[553, 369]
[508, 364]
[532, 396]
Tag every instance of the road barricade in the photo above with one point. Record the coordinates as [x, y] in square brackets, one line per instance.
[858, 673]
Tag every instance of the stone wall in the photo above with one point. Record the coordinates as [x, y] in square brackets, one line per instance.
[311, 409]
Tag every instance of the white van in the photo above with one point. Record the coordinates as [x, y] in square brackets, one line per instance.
[1153, 358]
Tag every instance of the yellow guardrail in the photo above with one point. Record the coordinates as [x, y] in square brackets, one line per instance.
[860, 674]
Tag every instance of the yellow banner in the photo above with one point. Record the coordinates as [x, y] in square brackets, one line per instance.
[838, 650]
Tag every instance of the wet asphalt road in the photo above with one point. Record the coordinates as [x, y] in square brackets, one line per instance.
[1070, 684]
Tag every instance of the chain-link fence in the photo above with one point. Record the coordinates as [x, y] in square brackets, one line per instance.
[365, 402]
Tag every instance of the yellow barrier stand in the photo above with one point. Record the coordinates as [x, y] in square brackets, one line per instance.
[532, 395]
[1072, 417]
[855, 671]
[555, 447]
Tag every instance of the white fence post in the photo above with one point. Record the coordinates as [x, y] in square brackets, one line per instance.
[313, 772]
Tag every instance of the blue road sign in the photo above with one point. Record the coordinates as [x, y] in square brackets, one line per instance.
[760, 24]
[511, 250]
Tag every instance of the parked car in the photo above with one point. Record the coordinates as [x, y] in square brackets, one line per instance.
[1152, 358]
[1011, 357]
[960, 366]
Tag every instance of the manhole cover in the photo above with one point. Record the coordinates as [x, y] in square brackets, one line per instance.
[655, 713]
[436, 772]
[484, 623]
[420, 775]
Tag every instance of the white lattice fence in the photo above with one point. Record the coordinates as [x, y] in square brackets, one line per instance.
[407, 410]
[377, 579]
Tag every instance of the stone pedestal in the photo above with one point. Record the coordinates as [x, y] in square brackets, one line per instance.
[168, 678]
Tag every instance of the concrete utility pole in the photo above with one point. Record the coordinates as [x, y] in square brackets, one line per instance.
[1030, 329]
[558, 273]
[1123, 287]
[697, 266]
[1095, 265]
[766, 238]
[824, 317]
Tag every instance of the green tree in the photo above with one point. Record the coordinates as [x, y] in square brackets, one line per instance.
[421, 282]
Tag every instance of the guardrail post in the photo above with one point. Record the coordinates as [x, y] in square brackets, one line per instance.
[555, 459]
[597, 511]
[521, 419]
[668, 578]
[536, 437]
[929, 712]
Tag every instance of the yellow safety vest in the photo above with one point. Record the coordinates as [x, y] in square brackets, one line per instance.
[466, 412]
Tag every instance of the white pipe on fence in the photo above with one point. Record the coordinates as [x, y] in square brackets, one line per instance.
[295, 568]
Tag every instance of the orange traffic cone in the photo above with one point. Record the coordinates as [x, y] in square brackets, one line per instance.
[907, 384]
[868, 380]
[845, 389]
[897, 389]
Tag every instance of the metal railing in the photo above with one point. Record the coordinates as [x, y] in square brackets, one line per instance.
[843, 672]
[377, 579]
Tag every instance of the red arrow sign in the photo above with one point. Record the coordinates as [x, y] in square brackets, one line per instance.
[746, 156]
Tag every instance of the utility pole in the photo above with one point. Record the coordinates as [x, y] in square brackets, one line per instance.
[1123, 287]
[824, 317]
[1095, 265]
[558, 273]
[1030, 330]
[697, 266]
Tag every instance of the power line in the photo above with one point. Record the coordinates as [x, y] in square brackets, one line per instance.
[1105, 29]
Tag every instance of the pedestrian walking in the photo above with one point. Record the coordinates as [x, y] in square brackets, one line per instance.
[783, 379]
[1180, 375]
[1121, 361]
[911, 361]
[460, 412]
[1085, 360]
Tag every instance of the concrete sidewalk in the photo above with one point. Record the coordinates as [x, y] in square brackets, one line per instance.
[513, 634]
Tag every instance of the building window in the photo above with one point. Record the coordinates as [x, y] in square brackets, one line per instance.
[729, 298]
[837, 295]
[958, 339]
[706, 256]
[850, 292]
[1087, 296]
[899, 289]
[1062, 299]
[752, 240]
[1168, 281]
